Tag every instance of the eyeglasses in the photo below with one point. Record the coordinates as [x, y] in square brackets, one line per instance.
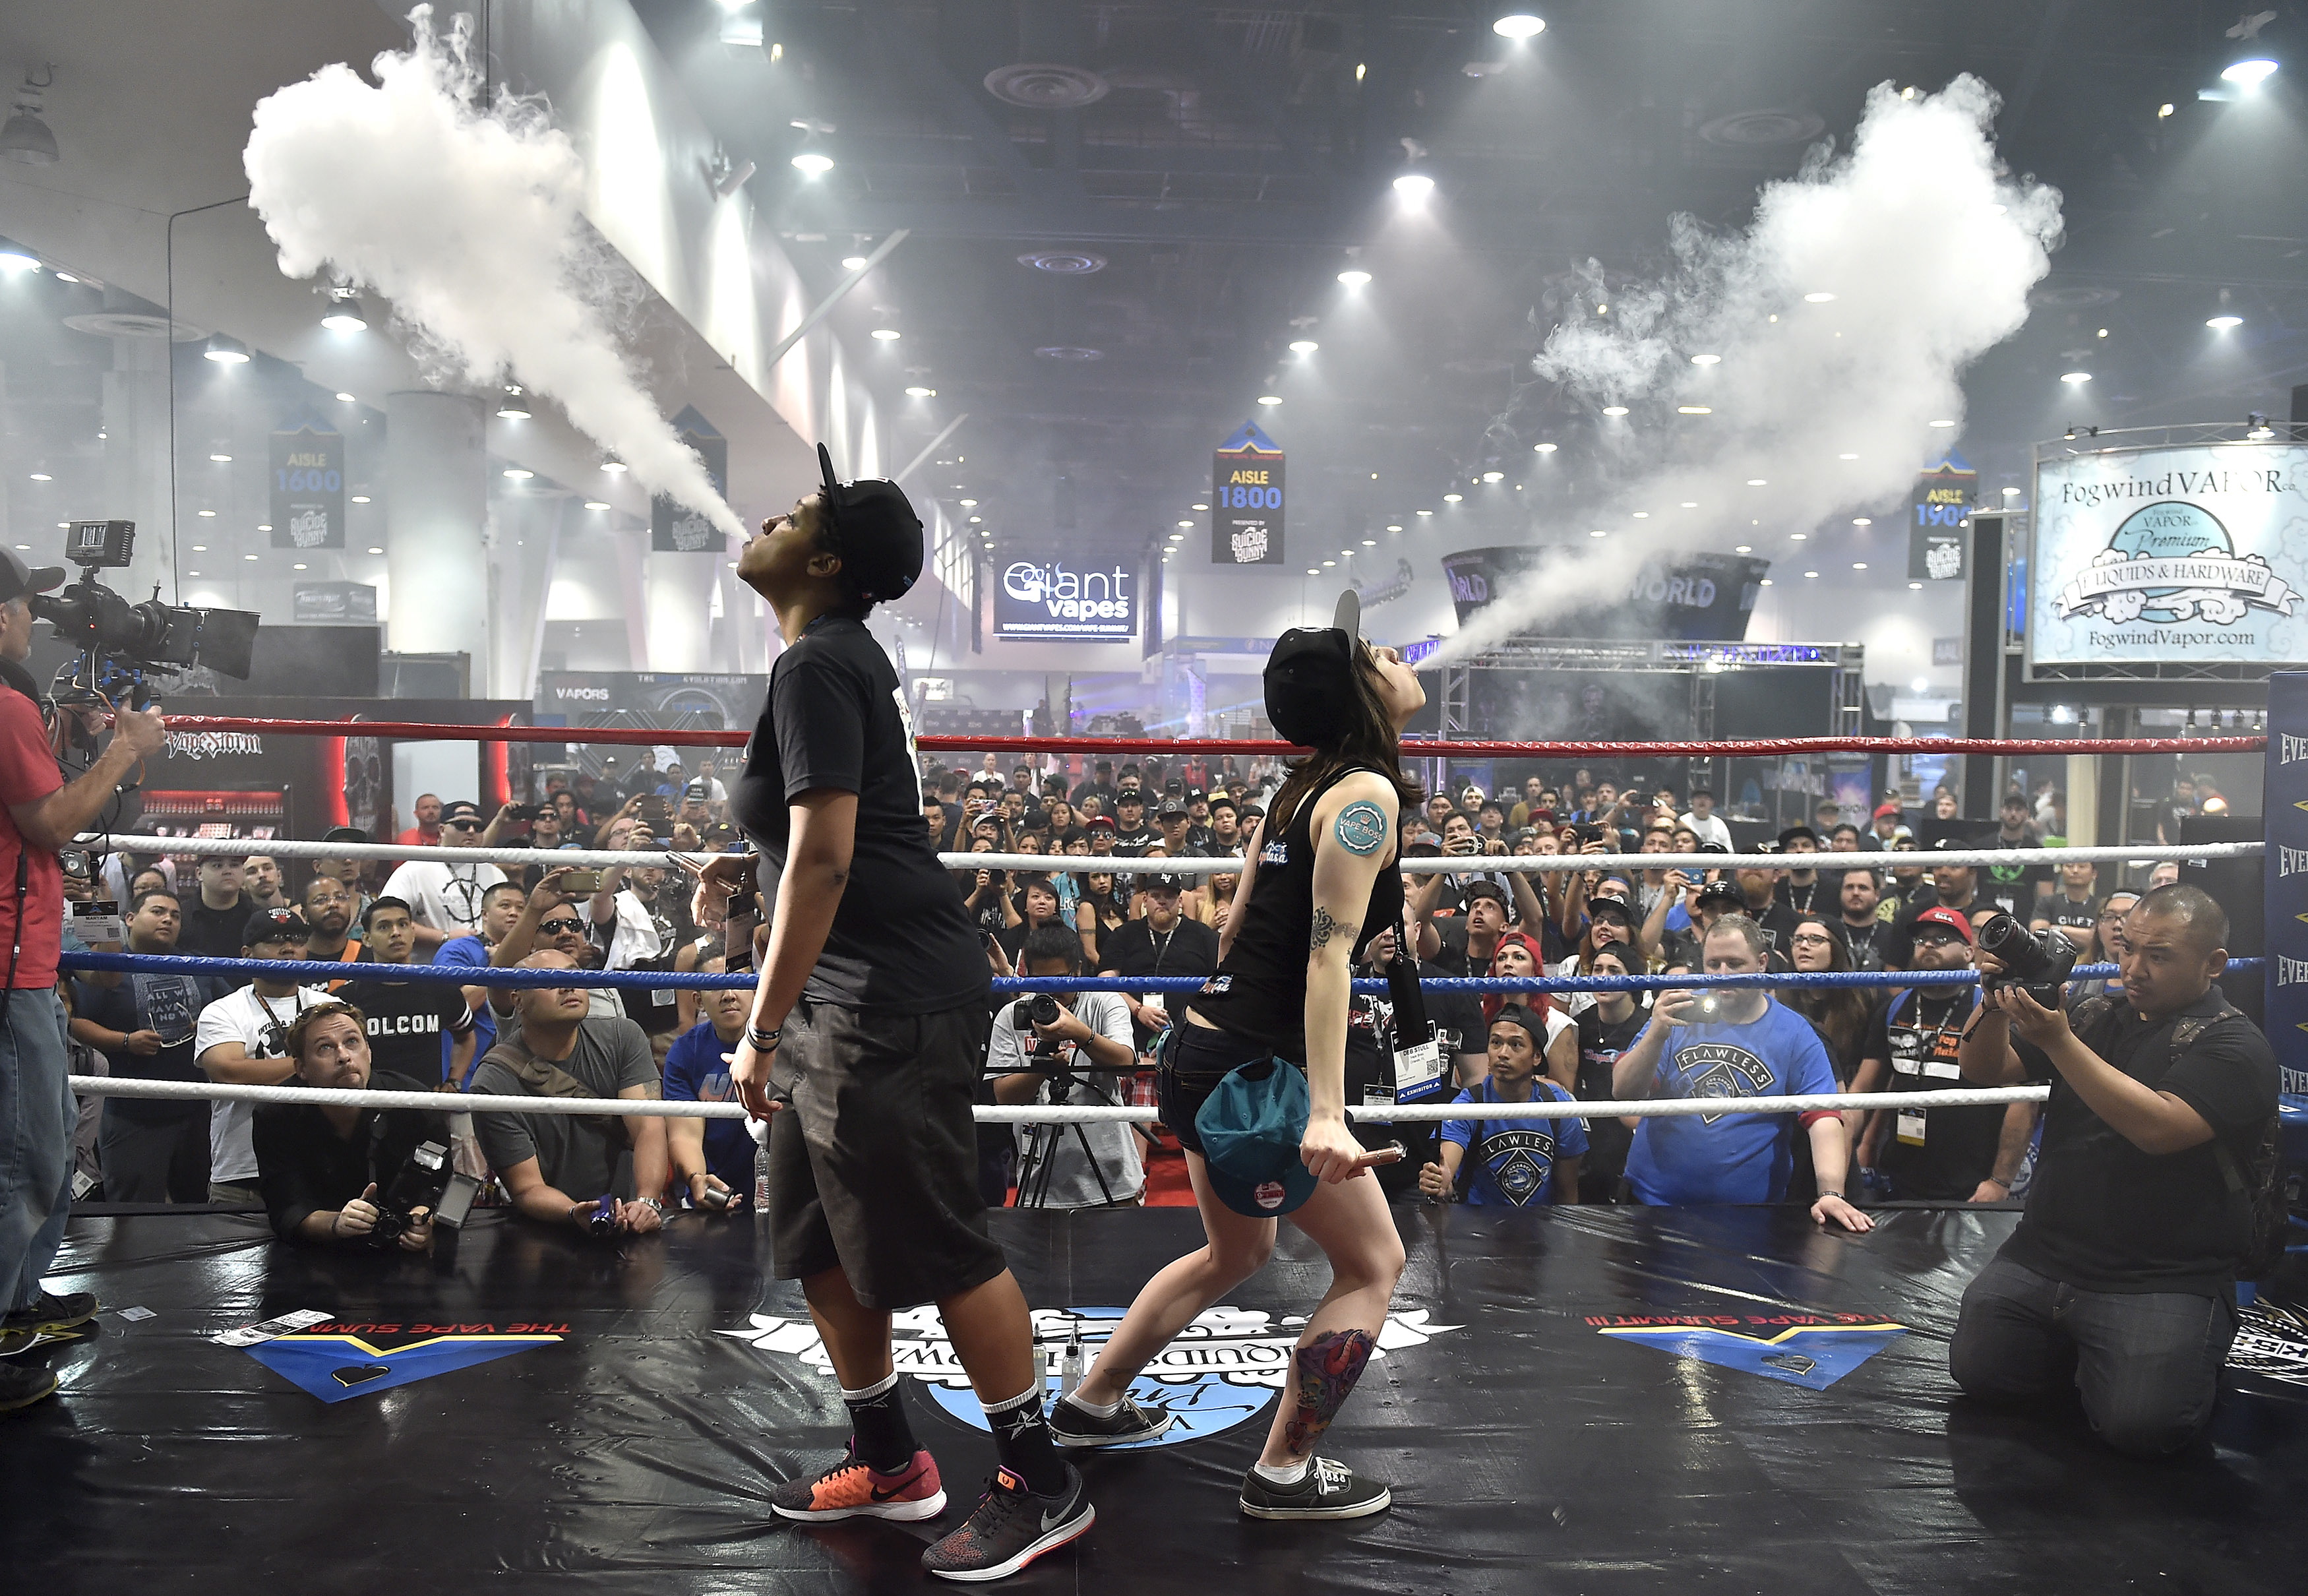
[557, 927]
[1811, 939]
[1942, 940]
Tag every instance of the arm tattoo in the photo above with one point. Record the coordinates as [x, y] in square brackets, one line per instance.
[1323, 1372]
[1361, 828]
[1326, 927]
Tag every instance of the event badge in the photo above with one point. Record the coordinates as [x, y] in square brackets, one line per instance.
[99, 925]
[1911, 1127]
[1418, 1070]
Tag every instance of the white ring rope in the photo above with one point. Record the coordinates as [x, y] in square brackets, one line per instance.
[447, 1102]
[1086, 864]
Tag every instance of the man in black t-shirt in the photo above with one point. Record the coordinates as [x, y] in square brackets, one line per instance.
[215, 916]
[1952, 886]
[1131, 835]
[1373, 1039]
[1865, 932]
[404, 1020]
[1607, 1028]
[1161, 942]
[874, 991]
[2120, 1280]
[2074, 909]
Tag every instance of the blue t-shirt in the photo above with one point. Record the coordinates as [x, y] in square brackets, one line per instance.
[696, 1072]
[1512, 1164]
[1730, 1157]
[474, 954]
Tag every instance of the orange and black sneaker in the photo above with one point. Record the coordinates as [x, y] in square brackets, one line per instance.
[848, 1489]
[1011, 1527]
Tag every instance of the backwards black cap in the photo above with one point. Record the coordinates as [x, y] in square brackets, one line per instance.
[1310, 677]
[871, 525]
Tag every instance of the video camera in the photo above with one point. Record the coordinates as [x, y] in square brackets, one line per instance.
[118, 641]
[2037, 962]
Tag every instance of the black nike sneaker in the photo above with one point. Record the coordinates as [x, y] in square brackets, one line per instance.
[1072, 1425]
[53, 1312]
[1011, 1527]
[1327, 1490]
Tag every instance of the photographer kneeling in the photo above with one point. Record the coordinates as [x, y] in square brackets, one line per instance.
[321, 1167]
[2120, 1280]
[1038, 1045]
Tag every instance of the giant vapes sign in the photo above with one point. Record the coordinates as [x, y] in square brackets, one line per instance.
[1046, 600]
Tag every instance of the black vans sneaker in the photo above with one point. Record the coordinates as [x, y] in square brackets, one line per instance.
[1328, 1491]
[1072, 1425]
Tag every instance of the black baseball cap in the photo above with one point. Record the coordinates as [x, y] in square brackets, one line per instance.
[345, 834]
[461, 809]
[1172, 809]
[1485, 888]
[1613, 908]
[871, 525]
[1310, 677]
[699, 790]
[1793, 832]
[1129, 794]
[274, 925]
[1162, 884]
[1722, 891]
[21, 580]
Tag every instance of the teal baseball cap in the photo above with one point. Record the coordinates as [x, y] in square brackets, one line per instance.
[1251, 1128]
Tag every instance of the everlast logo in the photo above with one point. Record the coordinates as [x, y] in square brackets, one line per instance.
[2292, 749]
[591, 694]
[2291, 972]
[2290, 861]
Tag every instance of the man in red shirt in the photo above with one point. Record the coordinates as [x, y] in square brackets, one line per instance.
[426, 831]
[39, 813]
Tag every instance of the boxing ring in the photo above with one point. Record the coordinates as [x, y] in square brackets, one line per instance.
[1574, 1399]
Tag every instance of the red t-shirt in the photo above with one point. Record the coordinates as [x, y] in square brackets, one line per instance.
[28, 773]
[414, 837]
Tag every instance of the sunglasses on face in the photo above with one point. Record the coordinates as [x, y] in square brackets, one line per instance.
[461, 826]
[559, 926]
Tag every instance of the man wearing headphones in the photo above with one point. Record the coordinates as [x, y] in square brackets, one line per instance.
[39, 813]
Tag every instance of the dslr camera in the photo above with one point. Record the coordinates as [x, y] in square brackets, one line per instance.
[1041, 1009]
[422, 1180]
[2037, 962]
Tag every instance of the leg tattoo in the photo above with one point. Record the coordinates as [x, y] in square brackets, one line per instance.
[1325, 1370]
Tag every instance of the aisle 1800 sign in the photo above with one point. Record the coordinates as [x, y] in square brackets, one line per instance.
[1246, 500]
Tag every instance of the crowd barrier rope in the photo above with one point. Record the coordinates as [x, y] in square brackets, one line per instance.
[1412, 748]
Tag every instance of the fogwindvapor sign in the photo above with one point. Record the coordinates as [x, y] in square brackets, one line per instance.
[1246, 500]
[2186, 555]
[1690, 597]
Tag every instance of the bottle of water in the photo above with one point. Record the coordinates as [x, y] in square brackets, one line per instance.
[1070, 1368]
[760, 1131]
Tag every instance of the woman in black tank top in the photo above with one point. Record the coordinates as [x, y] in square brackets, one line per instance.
[1320, 880]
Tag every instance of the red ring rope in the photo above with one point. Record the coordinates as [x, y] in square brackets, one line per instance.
[1734, 748]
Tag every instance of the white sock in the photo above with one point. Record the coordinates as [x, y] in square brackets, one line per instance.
[1288, 1474]
[870, 1391]
[1096, 1410]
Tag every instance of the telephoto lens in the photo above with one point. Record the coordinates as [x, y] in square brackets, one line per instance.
[2037, 962]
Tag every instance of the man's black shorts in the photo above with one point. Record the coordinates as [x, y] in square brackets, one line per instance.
[874, 1167]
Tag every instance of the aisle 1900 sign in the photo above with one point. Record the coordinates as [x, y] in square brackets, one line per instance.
[2170, 556]
[308, 489]
[1246, 500]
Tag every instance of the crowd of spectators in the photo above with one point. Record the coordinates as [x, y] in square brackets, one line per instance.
[1614, 916]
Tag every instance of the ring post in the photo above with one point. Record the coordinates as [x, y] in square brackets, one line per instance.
[2284, 805]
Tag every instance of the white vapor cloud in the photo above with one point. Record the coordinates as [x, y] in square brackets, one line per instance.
[468, 220]
[1929, 249]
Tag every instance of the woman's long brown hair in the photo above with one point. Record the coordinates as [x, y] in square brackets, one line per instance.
[1839, 1012]
[1369, 742]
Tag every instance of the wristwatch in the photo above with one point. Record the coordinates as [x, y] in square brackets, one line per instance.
[654, 1205]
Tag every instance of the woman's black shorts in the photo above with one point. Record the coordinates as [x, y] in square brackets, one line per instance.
[1190, 1066]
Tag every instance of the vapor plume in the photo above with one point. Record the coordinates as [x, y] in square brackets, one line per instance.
[467, 216]
[1925, 249]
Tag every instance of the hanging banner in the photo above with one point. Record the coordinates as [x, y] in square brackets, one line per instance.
[1064, 600]
[674, 527]
[1246, 500]
[2285, 805]
[2189, 555]
[309, 488]
[1938, 515]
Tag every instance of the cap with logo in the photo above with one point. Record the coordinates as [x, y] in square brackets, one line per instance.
[871, 525]
[697, 792]
[1946, 919]
[1251, 1128]
[1098, 823]
[21, 580]
[1485, 888]
[1164, 882]
[1612, 909]
[1310, 677]
[274, 925]
[1723, 893]
[1172, 809]
[1891, 810]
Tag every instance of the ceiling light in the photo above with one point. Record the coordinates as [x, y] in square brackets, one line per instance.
[1328, 564]
[1543, 448]
[1493, 476]
[226, 350]
[2221, 323]
[513, 407]
[14, 259]
[2245, 75]
[1859, 564]
[1599, 532]
[207, 515]
[1312, 571]
[515, 474]
[1642, 516]
[1447, 499]
[1354, 279]
[1413, 185]
[970, 504]
[1758, 482]
[248, 557]
[1810, 573]
[358, 498]
[67, 277]
[1691, 504]
[221, 459]
[1518, 24]
[918, 392]
[344, 313]
[2011, 493]
[1426, 511]
[597, 504]
[345, 399]
[1270, 400]
[1393, 526]
[1942, 423]
[812, 163]
[266, 526]
[1185, 523]
[2077, 378]
[197, 548]
[376, 551]
[613, 467]
[1373, 542]
[1707, 359]
[1766, 581]
[28, 546]
[1798, 537]
[1614, 410]
[1744, 549]
[1303, 346]
[1693, 409]
[853, 262]
[2103, 333]
[25, 137]
[885, 334]
[41, 477]
[1818, 298]
[1178, 536]
[2166, 109]
[1916, 587]
[1846, 457]
[975, 520]
[299, 566]
[1198, 507]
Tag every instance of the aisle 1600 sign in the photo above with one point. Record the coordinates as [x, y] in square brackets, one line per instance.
[1246, 500]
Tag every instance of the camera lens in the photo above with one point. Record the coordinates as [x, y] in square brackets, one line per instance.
[1044, 1009]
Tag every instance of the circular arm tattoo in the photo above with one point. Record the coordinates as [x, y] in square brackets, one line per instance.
[1361, 828]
